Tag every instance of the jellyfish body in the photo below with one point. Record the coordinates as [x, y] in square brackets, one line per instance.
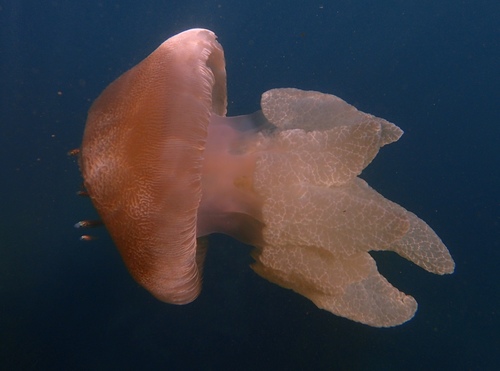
[164, 168]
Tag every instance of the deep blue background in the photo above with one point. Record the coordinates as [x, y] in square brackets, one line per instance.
[432, 67]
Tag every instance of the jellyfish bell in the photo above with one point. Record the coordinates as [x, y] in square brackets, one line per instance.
[142, 155]
[164, 168]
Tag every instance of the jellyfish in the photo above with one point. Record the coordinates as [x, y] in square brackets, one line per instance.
[165, 168]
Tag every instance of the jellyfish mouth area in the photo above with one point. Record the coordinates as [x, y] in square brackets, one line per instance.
[229, 204]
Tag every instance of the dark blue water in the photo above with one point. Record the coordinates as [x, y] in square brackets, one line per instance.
[430, 67]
